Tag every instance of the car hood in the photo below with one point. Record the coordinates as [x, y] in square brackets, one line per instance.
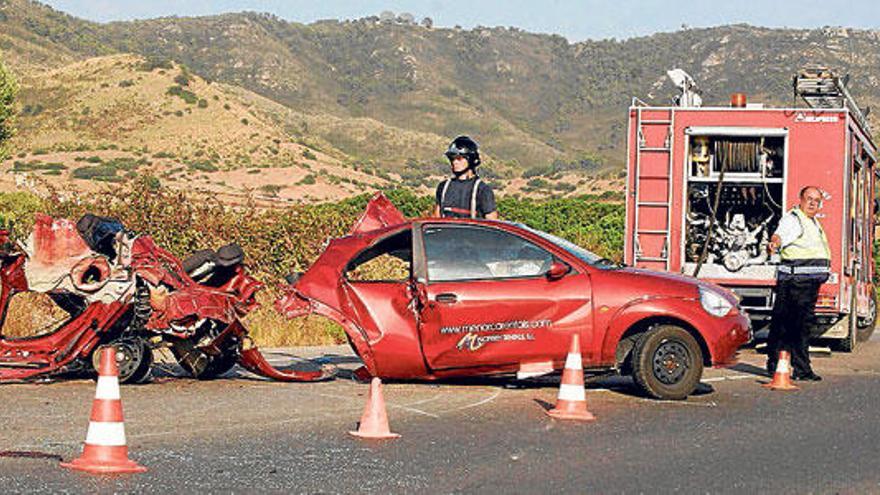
[669, 284]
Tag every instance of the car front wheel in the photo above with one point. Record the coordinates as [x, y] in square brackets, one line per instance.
[667, 363]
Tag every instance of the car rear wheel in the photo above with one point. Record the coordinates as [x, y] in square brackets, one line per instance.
[866, 325]
[667, 363]
[133, 359]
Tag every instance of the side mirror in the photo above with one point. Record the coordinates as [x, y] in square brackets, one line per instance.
[557, 270]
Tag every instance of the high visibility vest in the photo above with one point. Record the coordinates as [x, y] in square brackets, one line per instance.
[812, 243]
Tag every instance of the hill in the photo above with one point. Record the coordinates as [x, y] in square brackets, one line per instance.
[114, 118]
[386, 95]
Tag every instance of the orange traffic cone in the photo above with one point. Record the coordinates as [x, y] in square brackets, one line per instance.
[572, 400]
[105, 451]
[782, 377]
[374, 422]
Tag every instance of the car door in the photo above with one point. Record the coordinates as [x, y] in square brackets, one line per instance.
[487, 299]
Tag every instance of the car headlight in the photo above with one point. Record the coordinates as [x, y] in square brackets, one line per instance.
[714, 303]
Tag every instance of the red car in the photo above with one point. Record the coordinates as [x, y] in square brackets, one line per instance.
[435, 298]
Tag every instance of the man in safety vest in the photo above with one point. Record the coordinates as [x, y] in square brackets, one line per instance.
[464, 195]
[805, 264]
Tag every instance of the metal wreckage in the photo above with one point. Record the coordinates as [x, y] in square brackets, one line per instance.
[436, 298]
[123, 290]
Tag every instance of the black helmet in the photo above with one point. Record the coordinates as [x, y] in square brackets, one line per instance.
[466, 147]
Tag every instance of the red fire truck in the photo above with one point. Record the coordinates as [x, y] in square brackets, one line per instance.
[707, 186]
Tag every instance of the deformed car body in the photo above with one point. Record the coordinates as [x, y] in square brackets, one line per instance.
[435, 298]
[123, 290]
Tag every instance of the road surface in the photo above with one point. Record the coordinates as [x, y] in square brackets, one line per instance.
[244, 434]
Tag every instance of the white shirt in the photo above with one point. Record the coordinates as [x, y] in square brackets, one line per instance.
[789, 229]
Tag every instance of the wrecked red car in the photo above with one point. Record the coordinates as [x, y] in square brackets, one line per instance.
[435, 298]
[123, 290]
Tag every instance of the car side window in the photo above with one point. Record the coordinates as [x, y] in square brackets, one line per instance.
[457, 252]
[389, 260]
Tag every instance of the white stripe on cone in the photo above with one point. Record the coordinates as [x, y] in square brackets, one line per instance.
[783, 366]
[108, 388]
[107, 434]
[573, 361]
[572, 392]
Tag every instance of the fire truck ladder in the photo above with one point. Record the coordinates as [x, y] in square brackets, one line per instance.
[821, 87]
[649, 229]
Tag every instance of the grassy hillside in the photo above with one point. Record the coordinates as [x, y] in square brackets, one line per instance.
[112, 119]
[386, 96]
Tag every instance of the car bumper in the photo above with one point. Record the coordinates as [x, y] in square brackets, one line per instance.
[731, 332]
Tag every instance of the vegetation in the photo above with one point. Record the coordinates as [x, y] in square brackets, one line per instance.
[278, 242]
[185, 94]
[36, 165]
[8, 91]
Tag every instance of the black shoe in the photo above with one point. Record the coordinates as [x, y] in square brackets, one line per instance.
[771, 368]
[808, 377]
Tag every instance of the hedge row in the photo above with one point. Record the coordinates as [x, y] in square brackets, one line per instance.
[278, 241]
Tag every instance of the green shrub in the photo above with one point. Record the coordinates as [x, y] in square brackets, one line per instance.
[538, 183]
[271, 189]
[203, 166]
[35, 165]
[98, 172]
[186, 95]
[154, 62]
[182, 79]
[203, 103]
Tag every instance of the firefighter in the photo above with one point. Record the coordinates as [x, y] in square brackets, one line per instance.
[464, 195]
[804, 267]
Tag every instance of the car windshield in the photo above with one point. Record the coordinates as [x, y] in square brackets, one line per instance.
[581, 253]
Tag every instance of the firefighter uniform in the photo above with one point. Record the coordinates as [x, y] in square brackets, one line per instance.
[805, 264]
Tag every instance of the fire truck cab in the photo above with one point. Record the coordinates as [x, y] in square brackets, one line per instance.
[707, 186]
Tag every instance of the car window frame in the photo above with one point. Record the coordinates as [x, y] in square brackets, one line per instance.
[422, 268]
[371, 245]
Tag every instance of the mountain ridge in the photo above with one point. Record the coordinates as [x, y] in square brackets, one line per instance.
[530, 99]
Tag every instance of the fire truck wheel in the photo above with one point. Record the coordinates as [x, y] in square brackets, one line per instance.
[133, 357]
[866, 325]
[667, 363]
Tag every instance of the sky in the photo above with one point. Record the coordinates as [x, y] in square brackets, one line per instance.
[577, 20]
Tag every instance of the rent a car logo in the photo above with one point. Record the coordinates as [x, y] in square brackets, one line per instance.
[472, 340]
[819, 119]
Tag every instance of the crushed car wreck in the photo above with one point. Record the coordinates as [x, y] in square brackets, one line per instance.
[435, 298]
[123, 290]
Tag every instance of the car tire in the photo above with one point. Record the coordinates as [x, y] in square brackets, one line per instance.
[848, 343]
[667, 363]
[134, 359]
[201, 365]
[866, 325]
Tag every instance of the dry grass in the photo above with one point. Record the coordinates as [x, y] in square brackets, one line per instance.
[31, 313]
[270, 329]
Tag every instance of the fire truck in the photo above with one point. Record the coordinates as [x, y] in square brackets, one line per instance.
[707, 186]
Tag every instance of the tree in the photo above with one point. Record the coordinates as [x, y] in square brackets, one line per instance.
[428, 23]
[8, 90]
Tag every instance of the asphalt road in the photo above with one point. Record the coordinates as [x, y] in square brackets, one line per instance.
[243, 434]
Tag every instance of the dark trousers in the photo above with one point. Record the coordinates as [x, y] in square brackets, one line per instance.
[790, 327]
